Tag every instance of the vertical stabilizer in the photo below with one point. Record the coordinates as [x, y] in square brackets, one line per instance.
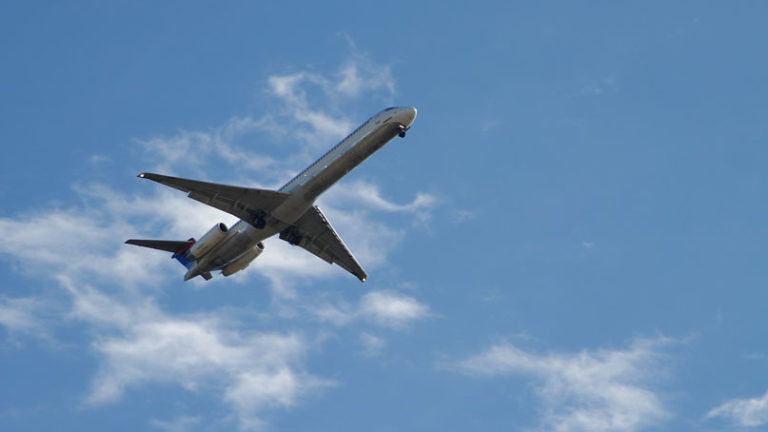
[182, 254]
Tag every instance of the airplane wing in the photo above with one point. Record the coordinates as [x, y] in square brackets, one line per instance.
[248, 204]
[319, 238]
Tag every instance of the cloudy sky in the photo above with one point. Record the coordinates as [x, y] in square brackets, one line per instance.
[571, 238]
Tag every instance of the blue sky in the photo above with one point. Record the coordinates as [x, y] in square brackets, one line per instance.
[571, 238]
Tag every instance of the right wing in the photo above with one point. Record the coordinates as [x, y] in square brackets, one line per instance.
[248, 204]
[315, 234]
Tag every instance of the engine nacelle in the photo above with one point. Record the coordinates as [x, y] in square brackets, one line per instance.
[243, 260]
[207, 242]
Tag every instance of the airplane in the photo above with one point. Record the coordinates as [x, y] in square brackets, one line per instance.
[289, 212]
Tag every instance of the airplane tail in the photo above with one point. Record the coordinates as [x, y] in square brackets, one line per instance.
[180, 250]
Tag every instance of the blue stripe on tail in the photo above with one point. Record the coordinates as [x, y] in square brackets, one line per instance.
[181, 255]
[184, 260]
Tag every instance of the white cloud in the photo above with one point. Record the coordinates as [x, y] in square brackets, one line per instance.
[372, 345]
[318, 127]
[195, 150]
[312, 127]
[22, 315]
[600, 390]
[463, 215]
[141, 344]
[368, 194]
[755, 356]
[596, 88]
[383, 308]
[743, 412]
[360, 75]
[99, 159]
[181, 424]
[391, 309]
[74, 241]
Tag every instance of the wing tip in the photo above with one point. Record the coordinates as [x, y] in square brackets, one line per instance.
[150, 176]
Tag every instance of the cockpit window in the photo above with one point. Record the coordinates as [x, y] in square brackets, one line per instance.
[390, 108]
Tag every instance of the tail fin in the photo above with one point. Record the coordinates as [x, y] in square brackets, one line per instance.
[179, 248]
[180, 251]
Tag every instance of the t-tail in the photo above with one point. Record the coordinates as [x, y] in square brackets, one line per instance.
[180, 250]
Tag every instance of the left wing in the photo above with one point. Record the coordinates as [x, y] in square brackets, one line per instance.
[314, 233]
[248, 204]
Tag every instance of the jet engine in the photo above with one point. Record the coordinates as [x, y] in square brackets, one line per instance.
[207, 242]
[243, 260]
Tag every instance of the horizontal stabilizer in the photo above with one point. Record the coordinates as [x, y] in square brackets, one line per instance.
[165, 245]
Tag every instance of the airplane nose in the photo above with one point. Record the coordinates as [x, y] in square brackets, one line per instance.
[407, 116]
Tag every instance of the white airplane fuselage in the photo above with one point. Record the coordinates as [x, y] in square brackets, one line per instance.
[243, 241]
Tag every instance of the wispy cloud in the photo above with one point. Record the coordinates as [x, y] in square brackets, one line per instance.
[372, 344]
[316, 127]
[369, 194]
[196, 150]
[383, 308]
[251, 371]
[359, 75]
[391, 309]
[23, 315]
[743, 412]
[71, 241]
[596, 87]
[181, 424]
[599, 390]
